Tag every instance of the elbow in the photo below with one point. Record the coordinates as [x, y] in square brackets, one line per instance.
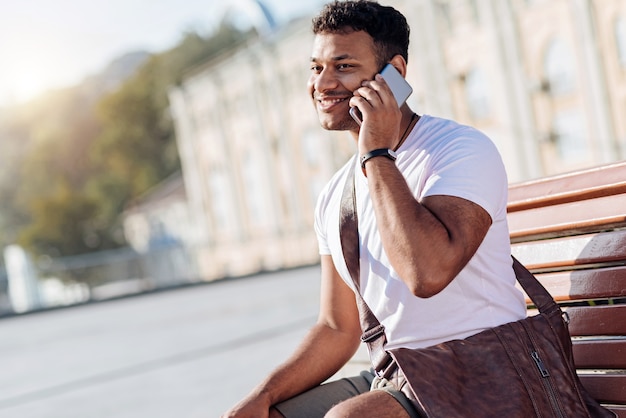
[426, 280]
[425, 287]
[424, 292]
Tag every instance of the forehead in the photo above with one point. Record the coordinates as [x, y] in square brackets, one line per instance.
[357, 45]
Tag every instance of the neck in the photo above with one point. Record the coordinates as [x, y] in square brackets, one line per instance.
[409, 118]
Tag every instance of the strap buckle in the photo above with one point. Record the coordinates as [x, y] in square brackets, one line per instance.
[565, 316]
[373, 333]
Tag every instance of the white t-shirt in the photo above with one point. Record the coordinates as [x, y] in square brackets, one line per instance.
[439, 157]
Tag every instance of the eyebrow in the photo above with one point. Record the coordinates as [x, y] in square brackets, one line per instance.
[337, 58]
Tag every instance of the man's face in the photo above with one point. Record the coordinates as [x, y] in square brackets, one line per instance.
[340, 62]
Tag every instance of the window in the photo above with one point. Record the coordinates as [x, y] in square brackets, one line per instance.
[559, 68]
[476, 94]
[256, 193]
[569, 135]
[222, 201]
[474, 11]
[620, 40]
[443, 9]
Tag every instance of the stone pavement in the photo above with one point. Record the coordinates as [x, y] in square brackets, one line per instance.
[189, 352]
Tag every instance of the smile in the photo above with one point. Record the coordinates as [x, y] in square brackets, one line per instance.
[326, 103]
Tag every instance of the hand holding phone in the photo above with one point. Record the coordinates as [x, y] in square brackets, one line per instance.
[400, 88]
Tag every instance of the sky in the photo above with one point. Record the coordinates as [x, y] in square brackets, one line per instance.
[56, 43]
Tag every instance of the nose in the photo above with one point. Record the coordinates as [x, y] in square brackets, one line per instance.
[323, 81]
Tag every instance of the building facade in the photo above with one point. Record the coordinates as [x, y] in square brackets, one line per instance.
[545, 79]
[254, 158]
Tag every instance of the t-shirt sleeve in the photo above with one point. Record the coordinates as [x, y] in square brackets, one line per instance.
[470, 167]
[320, 222]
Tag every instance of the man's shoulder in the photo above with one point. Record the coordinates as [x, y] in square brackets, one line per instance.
[436, 122]
[335, 184]
[437, 133]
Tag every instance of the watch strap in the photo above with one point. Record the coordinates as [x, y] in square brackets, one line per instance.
[380, 152]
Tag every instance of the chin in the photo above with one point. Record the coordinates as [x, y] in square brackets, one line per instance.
[334, 124]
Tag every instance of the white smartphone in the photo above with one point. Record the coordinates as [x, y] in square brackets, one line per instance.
[400, 88]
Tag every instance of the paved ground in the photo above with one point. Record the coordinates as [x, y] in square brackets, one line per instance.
[189, 352]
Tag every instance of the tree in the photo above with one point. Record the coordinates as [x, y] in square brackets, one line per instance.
[137, 147]
[83, 156]
[61, 223]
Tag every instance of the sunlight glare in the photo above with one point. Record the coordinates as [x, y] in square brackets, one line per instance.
[39, 61]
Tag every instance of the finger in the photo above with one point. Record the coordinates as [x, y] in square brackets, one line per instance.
[369, 94]
[380, 86]
[360, 102]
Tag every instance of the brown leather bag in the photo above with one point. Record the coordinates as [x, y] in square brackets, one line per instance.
[521, 369]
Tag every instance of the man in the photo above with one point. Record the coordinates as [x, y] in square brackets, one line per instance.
[435, 256]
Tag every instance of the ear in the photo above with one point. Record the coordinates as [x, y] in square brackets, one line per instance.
[400, 64]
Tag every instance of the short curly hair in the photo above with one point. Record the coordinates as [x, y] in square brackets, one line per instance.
[387, 26]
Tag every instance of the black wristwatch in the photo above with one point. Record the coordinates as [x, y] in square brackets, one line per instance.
[380, 152]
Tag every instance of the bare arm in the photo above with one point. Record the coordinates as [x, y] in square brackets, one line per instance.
[428, 242]
[331, 342]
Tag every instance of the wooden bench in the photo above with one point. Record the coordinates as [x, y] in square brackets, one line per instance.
[570, 231]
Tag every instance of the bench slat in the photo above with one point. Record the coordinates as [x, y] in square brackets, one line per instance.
[606, 388]
[585, 284]
[576, 217]
[526, 199]
[580, 185]
[570, 231]
[603, 354]
[578, 251]
[597, 320]
[594, 321]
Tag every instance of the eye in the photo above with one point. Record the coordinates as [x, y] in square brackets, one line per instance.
[316, 69]
[343, 66]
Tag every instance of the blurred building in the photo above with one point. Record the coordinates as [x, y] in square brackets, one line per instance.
[159, 218]
[545, 79]
[254, 158]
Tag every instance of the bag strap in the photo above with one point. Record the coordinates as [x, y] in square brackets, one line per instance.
[373, 331]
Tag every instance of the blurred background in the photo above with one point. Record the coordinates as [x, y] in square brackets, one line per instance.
[96, 200]
[162, 145]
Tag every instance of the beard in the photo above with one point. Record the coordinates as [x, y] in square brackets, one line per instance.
[334, 123]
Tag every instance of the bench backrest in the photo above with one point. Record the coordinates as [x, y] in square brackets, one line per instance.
[570, 231]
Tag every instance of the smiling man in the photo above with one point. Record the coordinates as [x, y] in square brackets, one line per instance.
[431, 195]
